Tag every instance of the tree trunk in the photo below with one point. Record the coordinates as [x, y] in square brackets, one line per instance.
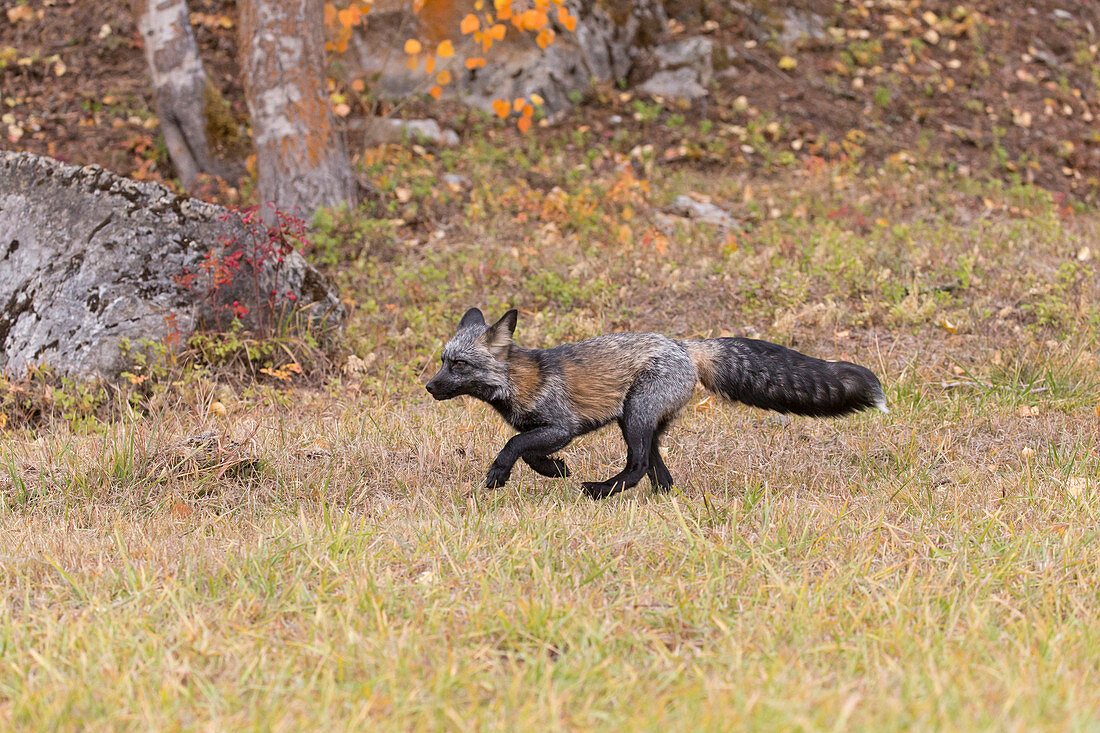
[179, 84]
[300, 158]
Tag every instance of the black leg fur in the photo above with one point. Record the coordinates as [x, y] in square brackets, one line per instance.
[658, 472]
[547, 466]
[659, 476]
[638, 433]
[540, 441]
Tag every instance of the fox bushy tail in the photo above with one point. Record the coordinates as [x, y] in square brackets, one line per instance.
[773, 377]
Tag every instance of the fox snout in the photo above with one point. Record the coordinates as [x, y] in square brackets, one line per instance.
[433, 388]
[440, 388]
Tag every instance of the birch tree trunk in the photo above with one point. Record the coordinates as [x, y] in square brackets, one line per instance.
[180, 85]
[300, 158]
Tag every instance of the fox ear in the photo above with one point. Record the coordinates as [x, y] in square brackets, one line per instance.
[499, 335]
[473, 317]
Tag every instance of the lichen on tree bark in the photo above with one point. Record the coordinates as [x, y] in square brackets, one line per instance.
[301, 161]
[180, 85]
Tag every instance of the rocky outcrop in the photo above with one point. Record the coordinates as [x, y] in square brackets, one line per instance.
[88, 258]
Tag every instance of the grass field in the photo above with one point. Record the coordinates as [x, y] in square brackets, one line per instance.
[325, 558]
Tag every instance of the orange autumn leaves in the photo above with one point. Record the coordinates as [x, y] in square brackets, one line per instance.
[486, 26]
[444, 50]
[524, 108]
[341, 22]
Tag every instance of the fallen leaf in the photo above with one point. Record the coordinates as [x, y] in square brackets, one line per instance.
[20, 12]
[1076, 486]
[181, 510]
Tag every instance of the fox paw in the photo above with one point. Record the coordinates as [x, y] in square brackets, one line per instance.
[547, 466]
[661, 482]
[497, 477]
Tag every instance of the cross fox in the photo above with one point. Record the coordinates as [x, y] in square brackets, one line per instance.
[639, 380]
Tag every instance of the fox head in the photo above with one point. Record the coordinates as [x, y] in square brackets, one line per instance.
[475, 360]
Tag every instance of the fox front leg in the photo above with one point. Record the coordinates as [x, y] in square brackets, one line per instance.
[540, 441]
[547, 466]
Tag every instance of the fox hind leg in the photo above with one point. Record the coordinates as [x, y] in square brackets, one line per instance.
[640, 430]
[658, 472]
[652, 403]
[639, 436]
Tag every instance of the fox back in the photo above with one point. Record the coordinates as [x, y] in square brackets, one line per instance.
[583, 384]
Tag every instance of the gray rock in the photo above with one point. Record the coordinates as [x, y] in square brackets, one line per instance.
[674, 84]
[385, 131]
[456, 181]
[695, 52]
[685, 68]
[800, 25]
[1044, 54]
[688, 207]
[88, 258]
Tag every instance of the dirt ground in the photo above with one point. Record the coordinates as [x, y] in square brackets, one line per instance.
[1008, 89]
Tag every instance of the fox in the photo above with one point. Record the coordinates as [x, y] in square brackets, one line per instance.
[642, 381]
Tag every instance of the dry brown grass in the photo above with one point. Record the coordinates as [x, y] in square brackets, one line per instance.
[327, 558]
[923, 568]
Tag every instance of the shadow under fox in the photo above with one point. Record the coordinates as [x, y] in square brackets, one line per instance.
[639, 380]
